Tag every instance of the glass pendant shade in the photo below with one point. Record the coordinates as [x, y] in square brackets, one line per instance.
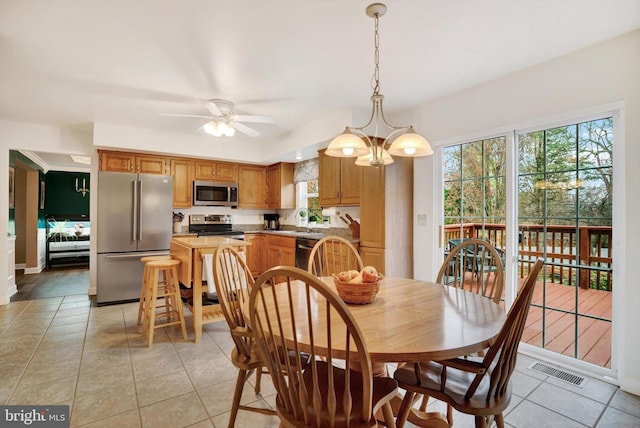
[410, 144]
[347, 145]
[219, 129]
[368, 158]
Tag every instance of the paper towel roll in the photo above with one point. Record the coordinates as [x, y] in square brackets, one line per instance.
[328, 212]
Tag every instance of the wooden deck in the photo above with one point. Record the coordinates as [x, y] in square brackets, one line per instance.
[594, 336]
[561, 317]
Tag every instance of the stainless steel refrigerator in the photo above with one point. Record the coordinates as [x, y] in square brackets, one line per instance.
[134, 220]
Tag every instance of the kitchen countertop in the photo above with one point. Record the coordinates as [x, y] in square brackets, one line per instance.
[208, 241]
[299, 234]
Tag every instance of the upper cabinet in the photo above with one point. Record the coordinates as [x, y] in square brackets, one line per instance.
[281, 192]
[182, 173]
[252, 186]
[130, 162]
[339, 180]
[216, 171]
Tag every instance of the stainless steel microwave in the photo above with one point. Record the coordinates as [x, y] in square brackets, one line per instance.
[214, 193]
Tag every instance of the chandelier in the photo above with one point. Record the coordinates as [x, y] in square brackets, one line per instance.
[365, 143]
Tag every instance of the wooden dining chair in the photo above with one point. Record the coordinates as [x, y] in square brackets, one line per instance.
[233, 282]
[474, 265]
[337, 388]
[474, 385]
[332, 255]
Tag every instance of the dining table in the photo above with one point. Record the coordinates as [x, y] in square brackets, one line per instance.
[417, 321]
[191, 251]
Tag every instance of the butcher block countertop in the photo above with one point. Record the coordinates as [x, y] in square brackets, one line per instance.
[208, 241]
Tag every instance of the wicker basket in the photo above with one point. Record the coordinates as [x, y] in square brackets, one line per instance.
[358, 293]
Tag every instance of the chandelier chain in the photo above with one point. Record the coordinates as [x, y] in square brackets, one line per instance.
[376, 58]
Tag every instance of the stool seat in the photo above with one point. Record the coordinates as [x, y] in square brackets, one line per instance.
[169, 290]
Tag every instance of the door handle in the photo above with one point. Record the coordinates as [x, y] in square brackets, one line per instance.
[135, 211]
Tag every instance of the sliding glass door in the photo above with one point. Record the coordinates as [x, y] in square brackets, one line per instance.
[560, 187]
[565, 191]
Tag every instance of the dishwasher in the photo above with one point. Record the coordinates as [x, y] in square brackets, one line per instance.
[303, 251]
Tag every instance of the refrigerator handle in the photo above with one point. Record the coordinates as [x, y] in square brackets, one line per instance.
[135, 210]
[140, 213]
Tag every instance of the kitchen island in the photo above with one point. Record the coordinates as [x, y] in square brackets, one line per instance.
[190, 250]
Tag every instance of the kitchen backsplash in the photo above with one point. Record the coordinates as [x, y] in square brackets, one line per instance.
[244, 217]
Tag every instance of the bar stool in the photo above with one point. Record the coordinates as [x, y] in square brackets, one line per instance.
[145, 281]
[169, 290]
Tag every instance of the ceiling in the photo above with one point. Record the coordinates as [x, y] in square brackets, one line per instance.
[71, 63]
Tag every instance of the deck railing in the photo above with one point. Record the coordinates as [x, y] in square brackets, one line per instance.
[574, 256]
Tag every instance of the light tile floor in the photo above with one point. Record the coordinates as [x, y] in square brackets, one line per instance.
[94, 359]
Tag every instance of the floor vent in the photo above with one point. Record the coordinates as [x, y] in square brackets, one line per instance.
[560, 374]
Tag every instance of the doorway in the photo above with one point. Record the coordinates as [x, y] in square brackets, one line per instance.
[36, 194]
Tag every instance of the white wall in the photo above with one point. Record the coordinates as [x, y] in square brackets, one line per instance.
[581, 82]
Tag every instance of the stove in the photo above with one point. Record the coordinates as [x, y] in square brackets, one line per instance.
[213, 224]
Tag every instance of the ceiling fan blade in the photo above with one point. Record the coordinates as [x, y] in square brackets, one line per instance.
[252, 118]
[213, 108]
[245, 129]
[184, 115]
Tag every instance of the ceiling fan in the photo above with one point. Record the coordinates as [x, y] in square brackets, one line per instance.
[221, 122]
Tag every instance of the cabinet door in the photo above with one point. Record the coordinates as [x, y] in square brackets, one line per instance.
[252, 187]
[281, 250]
[205, 170]
[280, 256]
[151, 165]
[227, 172]
[117, 162]
[350, 181]
[374, 257]
[181, 171]
[328, 179]
[256, 253]
[281, 192]
[273, 186]
[372, 208]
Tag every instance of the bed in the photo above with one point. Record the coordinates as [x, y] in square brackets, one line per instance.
[68, 240]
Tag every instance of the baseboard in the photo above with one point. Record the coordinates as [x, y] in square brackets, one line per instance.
[630, 384]
[6, 299]
[29, 271]
[20, 266]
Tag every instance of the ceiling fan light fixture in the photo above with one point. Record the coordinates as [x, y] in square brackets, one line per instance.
[218, 129]
[375, 153]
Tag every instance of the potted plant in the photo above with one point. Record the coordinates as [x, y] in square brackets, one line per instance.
[312, 220]
[302, 214]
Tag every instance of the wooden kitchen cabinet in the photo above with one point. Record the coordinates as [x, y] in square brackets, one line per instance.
[216, 171]
[182, 173]
[256, 252]
[281, 251]
[386, 217]
[335, 256]
[339, 180]
[252, 186]
[133, 162]
[281, 192]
